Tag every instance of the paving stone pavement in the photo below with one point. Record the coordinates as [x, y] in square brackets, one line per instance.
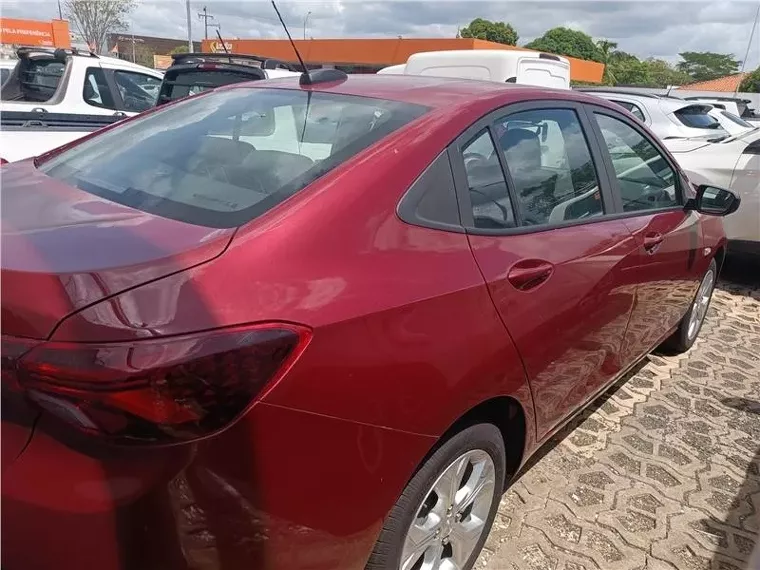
[662, 472]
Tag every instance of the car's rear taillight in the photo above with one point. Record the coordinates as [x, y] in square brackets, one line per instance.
[167, 390]
[3, 161]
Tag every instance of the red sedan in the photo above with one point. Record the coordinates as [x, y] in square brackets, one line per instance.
[283, 326]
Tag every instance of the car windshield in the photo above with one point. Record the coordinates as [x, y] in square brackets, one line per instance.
[225, 157]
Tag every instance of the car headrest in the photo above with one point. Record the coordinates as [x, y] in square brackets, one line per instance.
[522, 149]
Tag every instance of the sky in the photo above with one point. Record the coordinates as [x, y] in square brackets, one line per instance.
[646, 28]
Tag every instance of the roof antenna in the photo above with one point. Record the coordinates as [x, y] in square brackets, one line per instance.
[316, 75]
[224, 46]
[305, 78]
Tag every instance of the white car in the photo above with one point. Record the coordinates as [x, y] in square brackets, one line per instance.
[53, 97]
[667, 117]
[732, 163]
[731, 123]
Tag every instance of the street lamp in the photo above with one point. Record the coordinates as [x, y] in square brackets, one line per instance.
[305, 20]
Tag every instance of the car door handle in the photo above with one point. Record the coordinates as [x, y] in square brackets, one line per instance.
[529, 274]
[652, 242]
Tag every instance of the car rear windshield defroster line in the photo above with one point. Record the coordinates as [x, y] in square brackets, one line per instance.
[224, 158]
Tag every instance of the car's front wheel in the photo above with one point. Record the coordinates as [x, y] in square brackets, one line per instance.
[686, 334]
[445, 513]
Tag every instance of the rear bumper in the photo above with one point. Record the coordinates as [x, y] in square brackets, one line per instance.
[280, 490]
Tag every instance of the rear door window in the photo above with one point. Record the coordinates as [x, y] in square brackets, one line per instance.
[223, 158]
[96, 91]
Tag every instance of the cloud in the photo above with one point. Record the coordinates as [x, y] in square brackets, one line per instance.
[645, 28]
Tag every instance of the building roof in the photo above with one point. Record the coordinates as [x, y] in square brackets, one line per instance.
[727, 84]
[380, 52]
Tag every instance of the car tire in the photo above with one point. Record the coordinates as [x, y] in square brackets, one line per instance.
[688, 330]
[472, 457]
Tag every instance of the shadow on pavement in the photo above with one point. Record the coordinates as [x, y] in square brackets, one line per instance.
[741, 275]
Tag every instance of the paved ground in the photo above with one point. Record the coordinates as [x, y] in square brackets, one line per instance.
[663, 472]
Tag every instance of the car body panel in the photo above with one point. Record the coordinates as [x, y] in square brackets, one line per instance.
[68, 249]
[410, 329]
[583, 307]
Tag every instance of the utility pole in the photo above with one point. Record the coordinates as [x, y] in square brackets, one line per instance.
[60, 12]
[205, 16]
[189, 28]
[305, 20]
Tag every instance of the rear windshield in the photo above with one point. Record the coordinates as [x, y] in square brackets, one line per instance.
[225, 157]
[697, 118]
[37, 79]
[181, 83]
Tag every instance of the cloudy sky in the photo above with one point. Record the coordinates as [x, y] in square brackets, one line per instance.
[645, 28]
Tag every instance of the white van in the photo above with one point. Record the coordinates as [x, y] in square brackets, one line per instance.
[504, 66]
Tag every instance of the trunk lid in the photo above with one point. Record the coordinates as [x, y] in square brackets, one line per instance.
[64, 249]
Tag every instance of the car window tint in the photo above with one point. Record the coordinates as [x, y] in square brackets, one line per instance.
[223, 158]
[138, 91]
[491, 205]
[96, 90]
[738, 120]
[697, 118]
[634, 109]
[645, 178]
[550, 164]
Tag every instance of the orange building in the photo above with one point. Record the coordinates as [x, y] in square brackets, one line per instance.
[35, 33]
[369, 55]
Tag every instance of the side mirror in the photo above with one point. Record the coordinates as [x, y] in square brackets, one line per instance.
[714, 201]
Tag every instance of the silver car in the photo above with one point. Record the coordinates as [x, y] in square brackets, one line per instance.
[668, 117]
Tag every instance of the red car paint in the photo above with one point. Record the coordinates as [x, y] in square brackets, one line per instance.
[410, 329]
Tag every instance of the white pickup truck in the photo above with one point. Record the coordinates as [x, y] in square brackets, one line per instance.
[53, 97]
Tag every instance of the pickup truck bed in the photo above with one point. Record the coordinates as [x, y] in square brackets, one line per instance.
[27, 134]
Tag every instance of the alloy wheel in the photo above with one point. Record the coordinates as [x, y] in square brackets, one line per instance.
[701, 303]
[453, 514]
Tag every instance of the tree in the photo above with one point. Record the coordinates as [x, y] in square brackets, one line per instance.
[751, 82]
[706, 65]
[662, 74]
[606, 48]
[94, 19]
[179, 49]
[144, 55]
[627, 69]
[564, 41]
[498, 32]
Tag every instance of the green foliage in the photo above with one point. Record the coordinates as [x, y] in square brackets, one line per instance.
[751, 82]
[498, 32]
[144, 55]
[706, 65]
[564, 41]
[179, 49]
[663, 74]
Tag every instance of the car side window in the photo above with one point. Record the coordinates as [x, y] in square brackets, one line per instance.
[138, 91]
[550, 164]
[634, 109]
[646, 179]
[491, 204]
[96, 90]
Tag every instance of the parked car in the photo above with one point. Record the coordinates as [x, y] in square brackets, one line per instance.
[521, 67]
[193, 73]
[53, 97]
[734, 105]
[731, 123]
[667, 117]
[733, 163]
[321, 324]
